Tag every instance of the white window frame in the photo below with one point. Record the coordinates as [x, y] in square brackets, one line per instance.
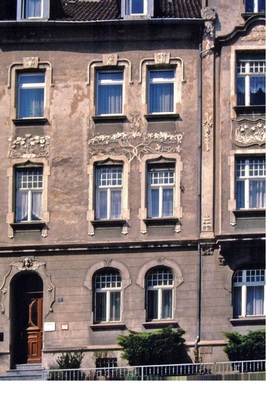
[159, 288]
[28, 182]
[160, 178]
[245, 279]
[45, 10]
[30, 86]
[256, 4]
[245, 175]
[106, 83]
[247, 68]
[161, 81]
[107, 287]
[103, 185]
[126, 9]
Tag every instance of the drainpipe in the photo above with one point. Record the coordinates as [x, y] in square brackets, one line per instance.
[198, 325]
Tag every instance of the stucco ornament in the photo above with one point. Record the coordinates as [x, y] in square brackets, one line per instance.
[135, 144]
[257, 34]
[29, 146]
[28, 264]
[208, 13]
[248, 133]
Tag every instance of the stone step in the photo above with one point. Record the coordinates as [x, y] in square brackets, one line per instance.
[24, 372]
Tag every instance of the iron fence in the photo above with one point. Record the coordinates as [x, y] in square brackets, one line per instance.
[154, 372]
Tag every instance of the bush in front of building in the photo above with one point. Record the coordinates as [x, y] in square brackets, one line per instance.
[245, 347]
[164, 346]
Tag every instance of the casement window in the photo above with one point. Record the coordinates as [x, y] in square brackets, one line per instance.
[249, 293]
[29, 193]
[250, 183]
[33, 9]
[161, 89]
[109, 192]
[159, 294]
[30, 95]
[250, 78]
[135, 7]
[109, 93]
[160, 196]
[254, 6]
[107, 300]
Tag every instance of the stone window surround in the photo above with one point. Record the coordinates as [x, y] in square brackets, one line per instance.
[125, 212]
[30, 64]
[143, 212]
[232, 163]
[10, 217]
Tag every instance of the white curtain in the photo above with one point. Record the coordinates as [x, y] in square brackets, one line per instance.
[110, 99]
[255, 300]
[21, 206]
[33, 8]
[161, 98]
[31, 103]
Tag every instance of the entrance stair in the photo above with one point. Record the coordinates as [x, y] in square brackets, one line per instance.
[24, 372]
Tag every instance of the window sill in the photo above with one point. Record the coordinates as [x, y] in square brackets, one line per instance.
[109, 118]
[169, 116]
[250, 213]
[30, 121]
[28, 226]
[105, 326]
[161, 221]
[248, 320]
[108, 223]
[249, 110]
[160, 324]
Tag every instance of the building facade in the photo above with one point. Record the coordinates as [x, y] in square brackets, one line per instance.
[132, 167]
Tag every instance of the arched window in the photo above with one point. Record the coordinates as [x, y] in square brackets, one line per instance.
[107, 296]
[159, 294]
[249, 292]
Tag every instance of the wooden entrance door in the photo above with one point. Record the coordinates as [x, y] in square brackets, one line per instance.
[34, 329]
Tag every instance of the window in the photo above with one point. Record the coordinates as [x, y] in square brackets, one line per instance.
[250, 183]
[161, 91]
[29, 190]
[255, 6]
[30, 96]
[249, 292]
[135, 7]
[109, 93]
[108, 287]
[251, 81]
[33, 9]
[109, 192]
[159, 294]
[161, 180]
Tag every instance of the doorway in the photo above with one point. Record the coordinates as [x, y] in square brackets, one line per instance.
[26, 318]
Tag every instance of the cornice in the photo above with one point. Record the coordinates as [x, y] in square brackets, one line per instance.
[241, 29]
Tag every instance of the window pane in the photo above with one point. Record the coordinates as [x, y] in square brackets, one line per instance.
[36, 207]
[137, 6]
[249, 5]
[161, 98]
[152, 311]
[167, 203]
[153, 208]
[116, 204]
[101, 207]
[115, 306]
[21, 206]
[257, 91]
[33, 8]
[255, 300]
[110, 86]
[31, 103]
[240, 91]
[100, 307]
[240, 195]
[257, 193]
[166, 303]
[261, 6]
[237, 301]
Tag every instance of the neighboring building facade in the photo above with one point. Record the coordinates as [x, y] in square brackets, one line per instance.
[132, 167]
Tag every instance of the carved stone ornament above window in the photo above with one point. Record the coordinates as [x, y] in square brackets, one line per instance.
[247, 133]
[135, 144]
[29, 147]
[257, 34]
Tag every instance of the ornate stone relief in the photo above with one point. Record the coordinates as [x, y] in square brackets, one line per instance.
[29, 147]
[135, 144]
[207, 223]
[207, 129]
[257, 34]
[209, 15]
[247, 133]
[28, 264]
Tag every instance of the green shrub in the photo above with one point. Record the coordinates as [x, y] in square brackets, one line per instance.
[70, 360]
[164, 346]
[245, 347]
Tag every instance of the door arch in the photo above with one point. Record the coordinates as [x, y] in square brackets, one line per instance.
[26, 314]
